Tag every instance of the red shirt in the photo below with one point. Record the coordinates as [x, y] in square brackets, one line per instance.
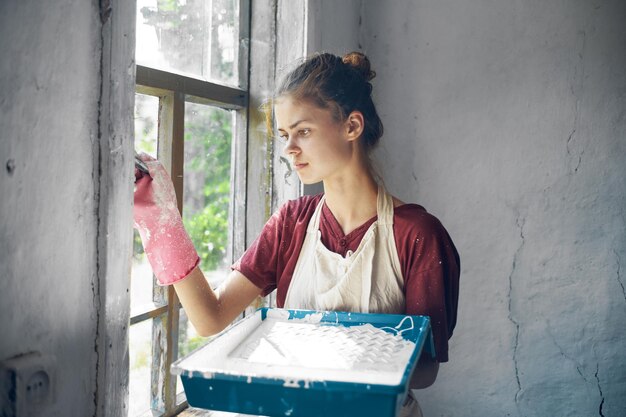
[429, 261]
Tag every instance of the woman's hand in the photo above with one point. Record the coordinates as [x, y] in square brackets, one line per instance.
[166, 243]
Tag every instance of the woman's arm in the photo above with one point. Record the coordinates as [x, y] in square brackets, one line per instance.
[430, 265]
[211, 311]
[173, 258]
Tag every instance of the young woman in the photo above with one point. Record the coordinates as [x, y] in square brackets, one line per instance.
[353, 248]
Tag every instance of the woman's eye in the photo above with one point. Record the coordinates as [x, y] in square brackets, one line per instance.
[304, 132]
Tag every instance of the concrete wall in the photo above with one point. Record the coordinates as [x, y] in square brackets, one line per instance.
[65, 195]
[507, 120]
[332, 26]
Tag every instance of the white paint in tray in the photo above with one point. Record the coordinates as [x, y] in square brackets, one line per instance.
[303, 350]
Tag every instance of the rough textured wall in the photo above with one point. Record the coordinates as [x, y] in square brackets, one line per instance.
[55, 232]
[332, 26]
[48, 112]
[507, 120]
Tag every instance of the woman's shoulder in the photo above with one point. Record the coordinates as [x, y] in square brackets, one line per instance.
[302, 203]
[291, 216]
[414, 219]
[419, 232]
[299, 207]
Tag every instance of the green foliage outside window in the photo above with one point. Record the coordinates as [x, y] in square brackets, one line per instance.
[206, 201]
[191, 344]
[191, 39]
[207, 160]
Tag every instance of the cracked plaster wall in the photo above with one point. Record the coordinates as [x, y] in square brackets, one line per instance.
[49, 83]
[65, 111]
[507, 120]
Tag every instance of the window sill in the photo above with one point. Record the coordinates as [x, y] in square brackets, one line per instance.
[197, 412]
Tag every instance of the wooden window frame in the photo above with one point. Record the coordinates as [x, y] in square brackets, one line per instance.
[260, 177]
[173, 90]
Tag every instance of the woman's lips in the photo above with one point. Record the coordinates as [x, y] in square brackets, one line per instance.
[299, 165]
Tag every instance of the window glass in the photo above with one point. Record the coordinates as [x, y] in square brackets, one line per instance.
[140, 358]
[188, 341]
[141, 280]
[195, 37]
[146, 127]
[207, 186]
[183, 38]
[206, 200]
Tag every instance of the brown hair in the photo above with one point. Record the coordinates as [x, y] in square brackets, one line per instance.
[341, 84]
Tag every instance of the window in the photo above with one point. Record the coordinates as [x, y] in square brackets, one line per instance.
[190, 113]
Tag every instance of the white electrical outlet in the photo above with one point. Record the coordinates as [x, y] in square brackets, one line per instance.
[27, 383]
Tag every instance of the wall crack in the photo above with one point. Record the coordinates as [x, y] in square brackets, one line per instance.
[288, 168]
[567, 145]
[519, 221]
[565, 355]
[618, 272]
[105, 10]
[361, 27]
[576, 89]
[600, 413]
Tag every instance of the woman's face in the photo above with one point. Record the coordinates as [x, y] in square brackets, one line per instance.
[318, 147]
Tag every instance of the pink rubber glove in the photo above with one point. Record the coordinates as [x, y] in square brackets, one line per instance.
[165, 241]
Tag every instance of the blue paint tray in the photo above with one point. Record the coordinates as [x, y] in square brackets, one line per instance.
[304, 363]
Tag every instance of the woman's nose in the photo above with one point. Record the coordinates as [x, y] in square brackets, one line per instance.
[290, 147]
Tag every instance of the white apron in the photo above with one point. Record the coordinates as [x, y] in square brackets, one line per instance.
[366, 281]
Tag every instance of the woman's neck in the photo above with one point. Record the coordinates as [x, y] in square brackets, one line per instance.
[352, 200]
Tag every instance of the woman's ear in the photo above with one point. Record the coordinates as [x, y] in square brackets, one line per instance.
[355, 123]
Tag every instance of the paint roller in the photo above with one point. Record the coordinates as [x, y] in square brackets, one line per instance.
[140, 165]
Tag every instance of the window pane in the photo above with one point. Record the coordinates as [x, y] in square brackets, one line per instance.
[207, 180]
[140, 338]
[146, 123]
[195, 37]
[188, 340]
[146, 127]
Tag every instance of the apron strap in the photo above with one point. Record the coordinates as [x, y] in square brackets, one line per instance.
[384, 204]
[314, 224]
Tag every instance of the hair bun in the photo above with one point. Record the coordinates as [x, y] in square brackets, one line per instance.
[360, 64]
